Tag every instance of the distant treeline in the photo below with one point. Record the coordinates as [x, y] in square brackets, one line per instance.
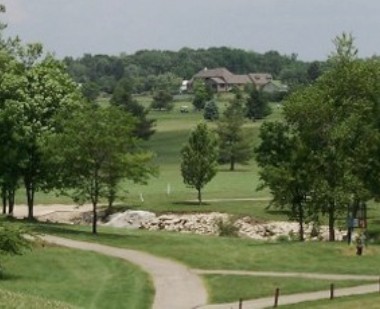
[149, 70]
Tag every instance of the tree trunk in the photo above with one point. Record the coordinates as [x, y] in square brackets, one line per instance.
[95, 200]
[11, 201]
[4, 198]
[29, 187]
[199, 197]
[332, 221]
[300, 221]
[94, 218]
[350, 217]
[232, 163]
[111, 198]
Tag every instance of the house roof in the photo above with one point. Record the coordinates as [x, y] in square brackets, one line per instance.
[222, 73]
[240, 79]
[260, 79]
[277, 84]
[217, 80]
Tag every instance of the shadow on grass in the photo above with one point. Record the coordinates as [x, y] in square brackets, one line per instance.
[4, 276]
[70, 232]
[277, 212]
[239, 170]
[190, 203]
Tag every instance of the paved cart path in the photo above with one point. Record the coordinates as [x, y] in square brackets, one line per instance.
[268, 302]
[176, 286]
[287, 274]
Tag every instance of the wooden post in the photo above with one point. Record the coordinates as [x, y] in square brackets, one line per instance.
[379, 284]
[240, 303]
[276, 295]
[332, 291]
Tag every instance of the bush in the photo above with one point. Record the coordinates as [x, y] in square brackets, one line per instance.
[226, 228]
[12, 240]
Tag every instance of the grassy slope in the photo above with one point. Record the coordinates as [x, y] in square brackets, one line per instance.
[208, 252]
[81, 279]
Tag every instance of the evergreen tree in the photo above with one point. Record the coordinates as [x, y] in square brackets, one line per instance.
[235, 144]
[122, 97]
[257, 107]
[211, 111]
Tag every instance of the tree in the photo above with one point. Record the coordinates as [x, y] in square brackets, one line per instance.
[284, 164]
[256, 105]
[211, 111]
[162, 100]
[202, 94]
[90, 90]
[199, 159]
[122, 97]
[234, 142]
[32, 92]
[97, 150]
[314, 71]
[337, 120]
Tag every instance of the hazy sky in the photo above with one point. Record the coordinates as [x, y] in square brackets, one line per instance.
[305, 27]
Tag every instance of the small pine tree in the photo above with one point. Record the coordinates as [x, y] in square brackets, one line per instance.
[211, 111]
[235, 144]
[256, 106]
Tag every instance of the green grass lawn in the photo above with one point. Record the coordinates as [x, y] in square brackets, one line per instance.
[172, 132]
[212, 252]
[369, 301]
[11, 300]
[222, 288]
[75, 278]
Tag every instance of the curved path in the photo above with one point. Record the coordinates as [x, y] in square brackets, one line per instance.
[177, 287]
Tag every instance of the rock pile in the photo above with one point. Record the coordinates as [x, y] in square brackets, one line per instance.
[207, 224]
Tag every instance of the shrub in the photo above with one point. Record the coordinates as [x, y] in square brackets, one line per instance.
[227, 228]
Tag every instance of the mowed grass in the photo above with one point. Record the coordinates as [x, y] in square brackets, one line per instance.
[11, 300]
[212, 252]
[167, 192]
[369, 301]
[75, 278]
[222, 288]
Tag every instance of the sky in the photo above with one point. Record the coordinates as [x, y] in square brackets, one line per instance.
[304, 27]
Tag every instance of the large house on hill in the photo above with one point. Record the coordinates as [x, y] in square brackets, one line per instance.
[222, 80]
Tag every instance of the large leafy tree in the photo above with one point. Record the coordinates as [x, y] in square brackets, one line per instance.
[32, 92]
[95, 152]
[337, 119]
[285, 165]
[235, 144]
[199, 159]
